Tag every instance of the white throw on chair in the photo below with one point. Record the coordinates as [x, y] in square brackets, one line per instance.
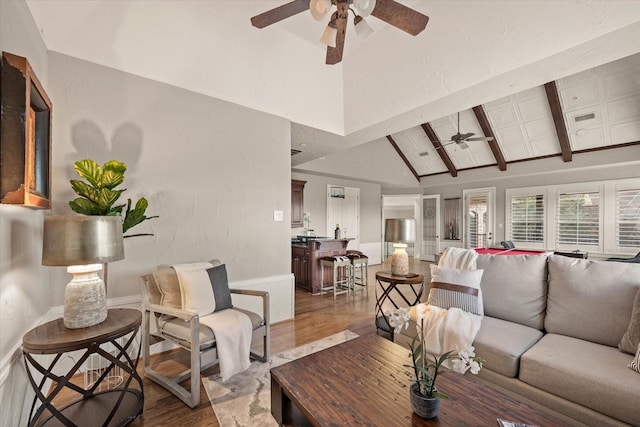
[166, 305]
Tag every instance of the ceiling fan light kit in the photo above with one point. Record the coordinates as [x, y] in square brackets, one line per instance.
[319, 8]
[389, 11]
[330, 34]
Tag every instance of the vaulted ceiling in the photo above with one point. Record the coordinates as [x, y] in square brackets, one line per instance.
[541, 77]
[593, 110]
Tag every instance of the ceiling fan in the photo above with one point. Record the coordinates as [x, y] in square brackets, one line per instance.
[389, 11]
[462, 138]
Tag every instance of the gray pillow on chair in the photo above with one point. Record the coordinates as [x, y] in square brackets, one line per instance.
[220, 285]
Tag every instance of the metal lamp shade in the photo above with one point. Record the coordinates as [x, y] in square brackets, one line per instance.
[80, 240]
[400, 230]
[83, 244]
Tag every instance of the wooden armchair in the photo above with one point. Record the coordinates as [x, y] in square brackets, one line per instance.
[164, 319]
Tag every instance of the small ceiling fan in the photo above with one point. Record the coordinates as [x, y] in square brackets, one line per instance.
[462, 138]
[389, 11]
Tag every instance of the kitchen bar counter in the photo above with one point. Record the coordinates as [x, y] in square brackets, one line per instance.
[305, 259]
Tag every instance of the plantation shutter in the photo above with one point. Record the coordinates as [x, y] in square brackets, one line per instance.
[578, 219]
[628, 218]
[527, 218]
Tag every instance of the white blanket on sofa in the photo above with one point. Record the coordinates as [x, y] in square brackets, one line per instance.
[445, 330]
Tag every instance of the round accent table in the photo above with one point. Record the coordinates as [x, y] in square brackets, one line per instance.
[389, 283]
[114, 407]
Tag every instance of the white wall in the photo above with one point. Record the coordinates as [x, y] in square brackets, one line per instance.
[213, 171]
[24, 283]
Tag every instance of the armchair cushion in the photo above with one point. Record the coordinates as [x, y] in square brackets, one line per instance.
[180, 330]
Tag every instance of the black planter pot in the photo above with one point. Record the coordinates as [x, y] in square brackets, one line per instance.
[424, 406]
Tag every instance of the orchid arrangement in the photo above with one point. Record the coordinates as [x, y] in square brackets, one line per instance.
[307, 218]
[426, 370]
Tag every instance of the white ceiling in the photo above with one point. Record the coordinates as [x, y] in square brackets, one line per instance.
[491, 53]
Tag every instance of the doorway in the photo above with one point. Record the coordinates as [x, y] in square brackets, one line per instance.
[430, 227]
[479, 208]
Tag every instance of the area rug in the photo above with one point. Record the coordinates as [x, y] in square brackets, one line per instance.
[245, 399]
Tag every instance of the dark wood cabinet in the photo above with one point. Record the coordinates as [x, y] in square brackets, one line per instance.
[297, 203]
[25, 135]
[300, 266]
[305, 261]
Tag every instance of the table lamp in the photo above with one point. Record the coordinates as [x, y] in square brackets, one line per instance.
[400, 231]
[83, 244]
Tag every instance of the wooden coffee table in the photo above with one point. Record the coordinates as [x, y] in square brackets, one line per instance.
[363, 381]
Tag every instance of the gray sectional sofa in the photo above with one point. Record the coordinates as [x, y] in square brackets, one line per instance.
[551, 331]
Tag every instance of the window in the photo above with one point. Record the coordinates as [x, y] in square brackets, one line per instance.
[578, 219]
[527, 219]
[628, 218]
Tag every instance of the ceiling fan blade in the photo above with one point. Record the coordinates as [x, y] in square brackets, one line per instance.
[480, 138]
[444, 144]
[279, 13]
[400, 16]
[334, 54]
[466, 136]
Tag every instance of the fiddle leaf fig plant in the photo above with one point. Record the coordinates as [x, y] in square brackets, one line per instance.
[98, 194]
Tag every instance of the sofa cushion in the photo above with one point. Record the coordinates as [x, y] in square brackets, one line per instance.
[591, 300]
[451, 287]
[501, 343]
[514, 287]
[589, 374]
[631, 338]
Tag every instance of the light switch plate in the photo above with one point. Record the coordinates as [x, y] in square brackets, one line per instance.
[278, 216]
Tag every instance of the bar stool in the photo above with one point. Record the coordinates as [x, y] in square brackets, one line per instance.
[341, 269]
[359, 270]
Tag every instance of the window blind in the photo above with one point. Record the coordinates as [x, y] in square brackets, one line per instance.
[578, 218]
[628, 218]
[527, 218]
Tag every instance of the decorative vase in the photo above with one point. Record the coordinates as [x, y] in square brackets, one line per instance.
[424, 406]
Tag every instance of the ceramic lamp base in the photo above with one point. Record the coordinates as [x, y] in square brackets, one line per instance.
[399, 260]
[85, 299]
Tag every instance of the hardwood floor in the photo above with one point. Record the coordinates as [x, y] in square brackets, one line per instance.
[316, 317]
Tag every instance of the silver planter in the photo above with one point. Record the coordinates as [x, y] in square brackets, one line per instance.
[424, 406]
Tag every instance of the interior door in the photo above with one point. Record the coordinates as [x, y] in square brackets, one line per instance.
[430, 227]
[479, 208]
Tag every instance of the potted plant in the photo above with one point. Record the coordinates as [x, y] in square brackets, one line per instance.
[99, 194]
[425, 397]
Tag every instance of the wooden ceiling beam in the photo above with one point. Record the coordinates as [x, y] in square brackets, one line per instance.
[481, 116]
[426, 127]
[558, 120]
[403, 157]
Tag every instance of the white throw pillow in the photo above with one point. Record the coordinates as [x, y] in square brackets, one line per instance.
[452, 287]
[195, 287]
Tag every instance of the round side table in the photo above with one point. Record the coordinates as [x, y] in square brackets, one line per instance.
[114, 407]
[389, 285]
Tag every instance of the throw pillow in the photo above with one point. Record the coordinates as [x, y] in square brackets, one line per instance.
[220, 286]
[168, 286]
[631, 338]
[195, 286]
[451, 287]
[635, 363]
